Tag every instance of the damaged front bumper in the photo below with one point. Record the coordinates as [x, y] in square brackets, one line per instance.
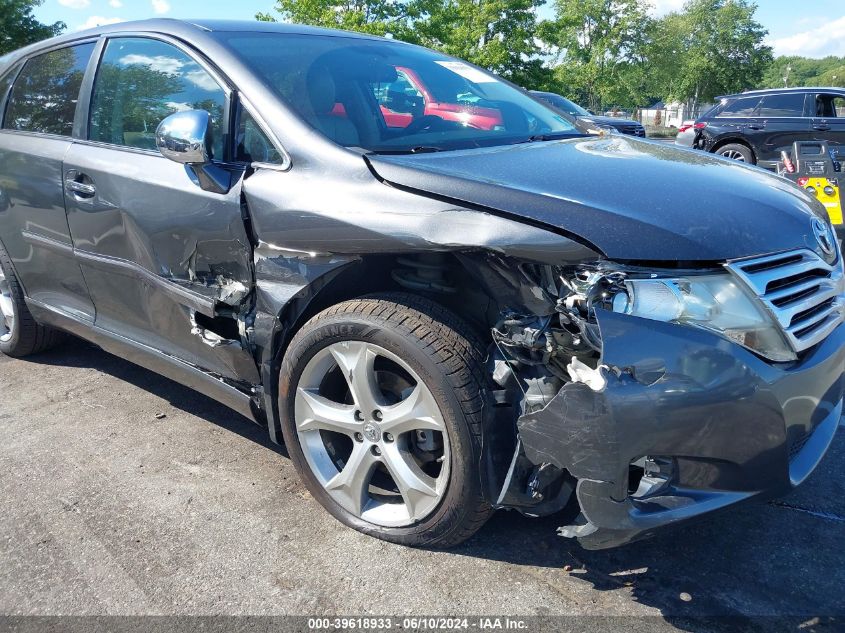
[711, 423]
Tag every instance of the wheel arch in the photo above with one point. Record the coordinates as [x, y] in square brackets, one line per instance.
[732, 140]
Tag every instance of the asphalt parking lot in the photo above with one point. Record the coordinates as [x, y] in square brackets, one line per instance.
[123, 493]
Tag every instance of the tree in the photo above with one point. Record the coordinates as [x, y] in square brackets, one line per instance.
[599, 46]
[499, 35]
[18, 27]
[786, 71]
[495, 34]
[714, 47]
[377, 17]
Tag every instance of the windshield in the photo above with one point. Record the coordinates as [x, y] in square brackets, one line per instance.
[562, 103]
[386, 96]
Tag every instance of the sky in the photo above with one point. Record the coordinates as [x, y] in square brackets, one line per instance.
[813, 28]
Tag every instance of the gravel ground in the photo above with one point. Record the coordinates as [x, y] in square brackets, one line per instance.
[123, 493]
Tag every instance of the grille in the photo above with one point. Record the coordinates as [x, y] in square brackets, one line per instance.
[801, 291]
[633, 130]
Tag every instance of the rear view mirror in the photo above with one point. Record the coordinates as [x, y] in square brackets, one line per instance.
[185, 137]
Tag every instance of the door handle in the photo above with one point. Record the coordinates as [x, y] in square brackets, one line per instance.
[822, 127]
[76, 185]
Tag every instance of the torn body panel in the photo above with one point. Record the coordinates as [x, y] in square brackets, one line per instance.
[726, 425]
[155, 249]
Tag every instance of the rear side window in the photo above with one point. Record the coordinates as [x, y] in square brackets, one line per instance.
[46, 91]
[744, 106]
[786, 105]
[141, 82]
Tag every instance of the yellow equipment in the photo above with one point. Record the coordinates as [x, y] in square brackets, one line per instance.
[816, 169]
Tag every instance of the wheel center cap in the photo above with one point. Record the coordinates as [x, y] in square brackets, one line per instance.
[372, 432]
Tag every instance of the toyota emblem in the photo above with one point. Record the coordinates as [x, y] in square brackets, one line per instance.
[824, 236]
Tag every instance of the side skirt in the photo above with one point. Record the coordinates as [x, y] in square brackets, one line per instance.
[151, 359]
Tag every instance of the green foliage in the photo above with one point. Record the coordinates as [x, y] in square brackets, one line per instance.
[599, 45]
[600, 53]
[803, 71]
[495, 34]
[714, 47]
[377, 17]
[18, 27]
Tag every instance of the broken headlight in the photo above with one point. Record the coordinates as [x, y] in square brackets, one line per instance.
[712, 302]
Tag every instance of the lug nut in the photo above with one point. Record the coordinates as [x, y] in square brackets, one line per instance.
[388, 437]
[376, 451]
[377, 416]
[359, 437]
[359, 416]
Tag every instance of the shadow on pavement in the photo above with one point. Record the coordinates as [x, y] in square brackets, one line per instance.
[757, 560]
[78, 353]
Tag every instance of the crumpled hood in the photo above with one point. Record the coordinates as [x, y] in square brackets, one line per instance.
[630, 199]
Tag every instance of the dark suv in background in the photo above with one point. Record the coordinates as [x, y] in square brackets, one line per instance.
[755, 127]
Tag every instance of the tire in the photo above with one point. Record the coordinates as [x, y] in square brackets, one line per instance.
[737, 152]
[20, 334]
[435, 349]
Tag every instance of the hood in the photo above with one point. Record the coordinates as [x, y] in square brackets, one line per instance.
[610, 120]
[631, 199]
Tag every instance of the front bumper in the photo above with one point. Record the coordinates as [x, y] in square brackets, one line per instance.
[731, 425]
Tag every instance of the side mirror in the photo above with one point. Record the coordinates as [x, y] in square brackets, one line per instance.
[185, 137]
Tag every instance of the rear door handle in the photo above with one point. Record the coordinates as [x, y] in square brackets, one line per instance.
[76, 185]
[823, 127]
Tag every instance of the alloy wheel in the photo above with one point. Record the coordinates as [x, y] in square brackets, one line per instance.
[7, 309]
[372, 434]
[734, 155]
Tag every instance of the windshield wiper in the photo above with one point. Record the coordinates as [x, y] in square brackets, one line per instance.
[557, 136]
[422, 149]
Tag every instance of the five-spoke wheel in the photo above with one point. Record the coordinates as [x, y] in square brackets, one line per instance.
[382, 402]
[372, 433]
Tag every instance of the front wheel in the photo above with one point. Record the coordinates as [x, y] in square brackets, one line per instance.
[382, 402]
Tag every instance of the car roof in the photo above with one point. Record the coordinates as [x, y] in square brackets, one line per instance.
[186, 30]
[774, 91]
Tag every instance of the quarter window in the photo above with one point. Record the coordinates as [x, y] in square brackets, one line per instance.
[740, 107]
[46, 91]
[785, 105]
[253, 146]
[141, 82]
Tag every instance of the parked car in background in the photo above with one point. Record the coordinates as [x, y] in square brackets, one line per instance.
[686, 134]
[409, 98]
[438, 320]
[625, 126]
[755, 127]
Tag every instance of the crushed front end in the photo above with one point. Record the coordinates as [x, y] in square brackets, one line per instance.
[656, 396]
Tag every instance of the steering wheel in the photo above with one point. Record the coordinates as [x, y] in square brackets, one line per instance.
[427, 122]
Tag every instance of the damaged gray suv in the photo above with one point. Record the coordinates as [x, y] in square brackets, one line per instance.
[444, 297]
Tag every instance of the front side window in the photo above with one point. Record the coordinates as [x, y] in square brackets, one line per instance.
[46, 92]
[745, 106]
[141, 82]
[387, 96]
[785, 105]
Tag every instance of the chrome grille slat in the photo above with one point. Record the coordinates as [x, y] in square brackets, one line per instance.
[800, 290]
[787, 313]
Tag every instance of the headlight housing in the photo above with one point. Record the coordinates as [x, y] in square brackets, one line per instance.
[712, 302]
